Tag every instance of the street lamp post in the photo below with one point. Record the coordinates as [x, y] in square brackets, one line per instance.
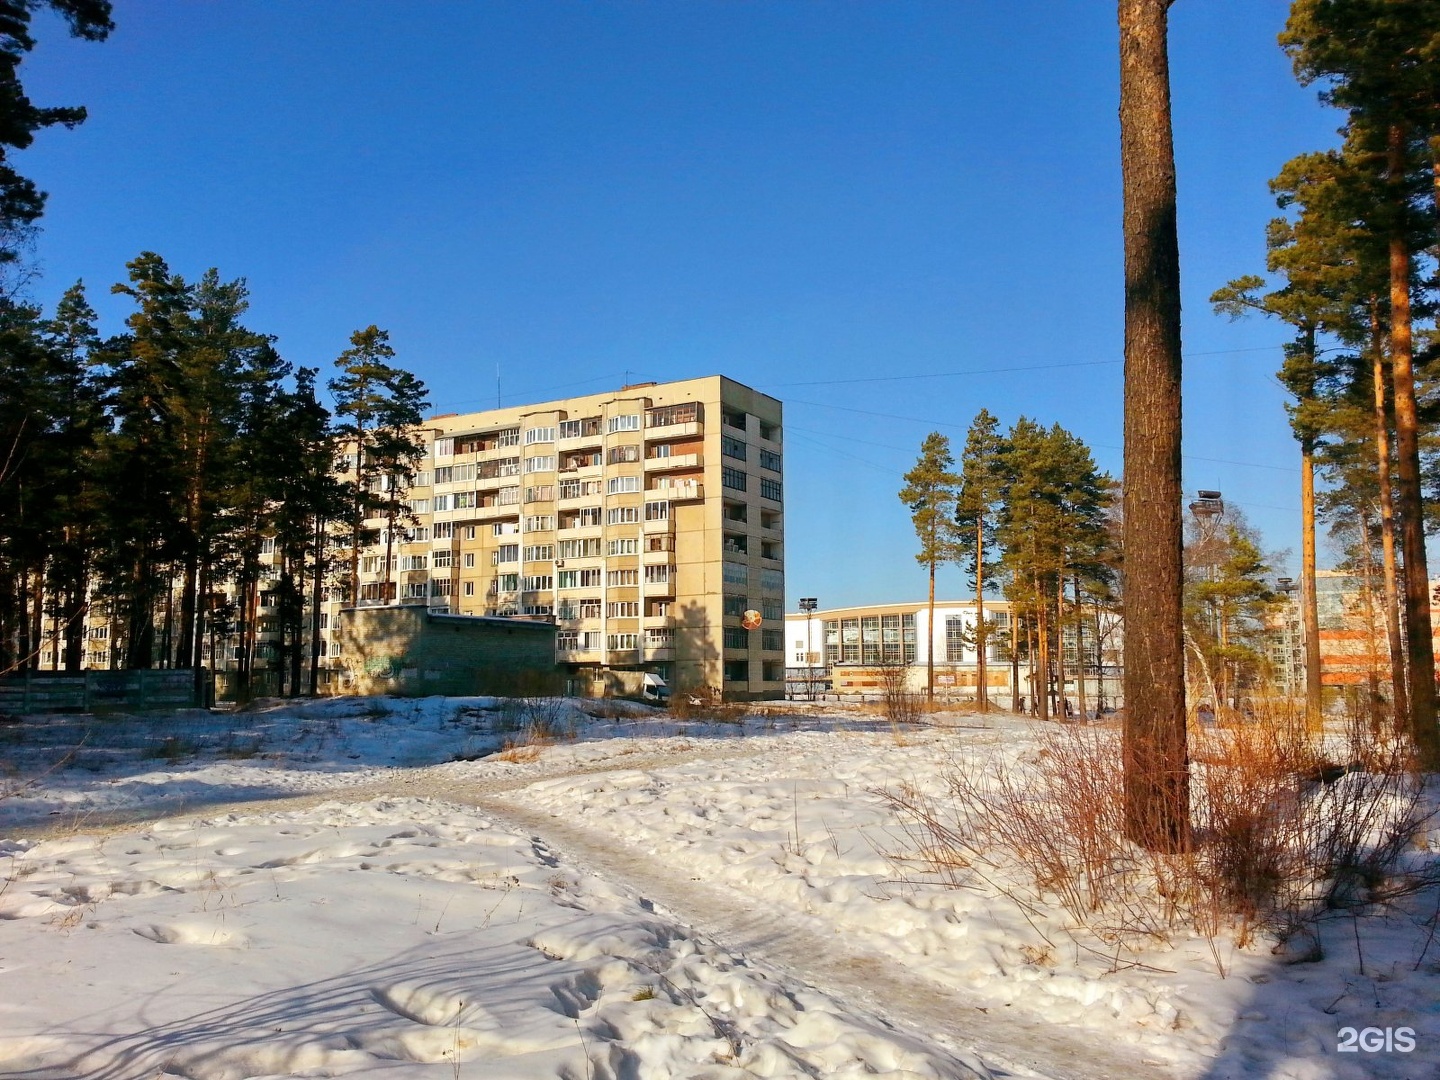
[808, 604]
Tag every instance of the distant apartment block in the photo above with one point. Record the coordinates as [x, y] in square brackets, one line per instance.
[645, 522]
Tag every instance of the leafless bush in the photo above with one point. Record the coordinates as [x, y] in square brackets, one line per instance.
[901, 704]
[1283, 834]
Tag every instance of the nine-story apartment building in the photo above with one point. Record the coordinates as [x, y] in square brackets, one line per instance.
[647, 522]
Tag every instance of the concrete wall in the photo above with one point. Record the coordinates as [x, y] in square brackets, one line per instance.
[406, 650]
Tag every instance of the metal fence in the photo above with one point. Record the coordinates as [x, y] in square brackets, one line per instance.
[90, 691]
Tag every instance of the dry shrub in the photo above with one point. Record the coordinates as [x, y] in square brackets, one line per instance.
[901, 704]
[707, 703]
[1283, 835]
[537, 722]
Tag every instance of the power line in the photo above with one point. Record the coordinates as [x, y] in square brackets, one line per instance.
[998, 370]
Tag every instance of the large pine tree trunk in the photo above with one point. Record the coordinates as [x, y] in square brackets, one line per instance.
[1060, 645]
[930, 649]
[1409, 502]
[1309, 600]
[1398, 689]
[317, 587]
[1080, 703]
[1156, 761]
[982, 687]
[1042, 648]
[1367, 604]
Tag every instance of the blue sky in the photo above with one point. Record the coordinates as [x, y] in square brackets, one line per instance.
[889, 215]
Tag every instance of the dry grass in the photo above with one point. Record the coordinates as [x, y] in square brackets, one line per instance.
[1284, 835]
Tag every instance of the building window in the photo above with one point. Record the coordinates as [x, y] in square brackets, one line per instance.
[622, 515]
[544, 463]
[444, 447]
[567, 640]
[737, 671]
[442, 503]
[770, 489]
[622, 641]
[772, 607]
[469, 560]
[657, 511]
[623, 609]
[773, 640]
[539, 435]
[736, 637]
[440, 587]
[539, 553]
[734, 573]
[624, 546]
[621, 485]
[735, 605]
[770, 460]
[417, 590]
[732, 447]
[772, 581]
[734, 479]
[538, 583]
[444, 530]
[620, 455]
[670, 415]
[622, 423]
[441, 559]
[579, 549]
[469, 588]
[955, 636]
[622, 577]
[540, 523]
[575, 429]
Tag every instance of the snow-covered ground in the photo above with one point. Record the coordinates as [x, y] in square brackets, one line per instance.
[362, 887]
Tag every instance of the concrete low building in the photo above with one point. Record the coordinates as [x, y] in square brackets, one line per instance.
[406, 649]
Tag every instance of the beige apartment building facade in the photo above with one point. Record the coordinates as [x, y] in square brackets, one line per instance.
[645, 522]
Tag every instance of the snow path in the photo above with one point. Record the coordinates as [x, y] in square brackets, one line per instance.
[1010, 1042]
[1019, 1045]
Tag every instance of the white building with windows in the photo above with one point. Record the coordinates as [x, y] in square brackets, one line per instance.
[845, 651]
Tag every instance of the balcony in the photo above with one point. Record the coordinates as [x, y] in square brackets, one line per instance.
[656, 558]
[578, 656]
[492, 513]
[658, 652]
[660, 588]
[660, 525]
[678, 491]
[657, 622]
[674, 431]
[580, 471]
[674, 461]
[576, 532]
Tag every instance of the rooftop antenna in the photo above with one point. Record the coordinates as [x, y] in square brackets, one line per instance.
[497, 384]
